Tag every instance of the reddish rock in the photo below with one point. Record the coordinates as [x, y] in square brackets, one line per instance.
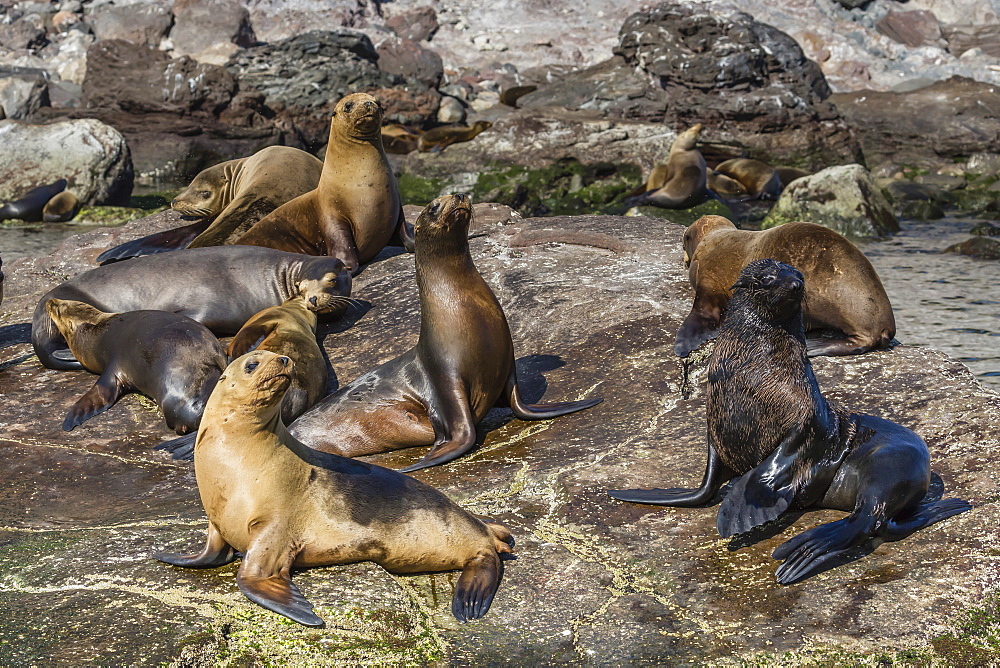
[198, 24]
[913, 28]
[416, 24]
[407, 58]
[144, 24]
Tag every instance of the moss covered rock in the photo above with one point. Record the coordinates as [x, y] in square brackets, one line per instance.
[684, 216]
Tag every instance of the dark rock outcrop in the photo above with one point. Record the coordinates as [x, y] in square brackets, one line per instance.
[981, 247]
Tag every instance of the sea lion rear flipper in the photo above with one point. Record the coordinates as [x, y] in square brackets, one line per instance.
[248, 338]
[161, 242]
[65, 355]
[181, 447]
[99, 398]
[403, 236]
[806, 553]
[217, 552]
[525, 411]
[271, 587]
[477, 585]
[716, 473]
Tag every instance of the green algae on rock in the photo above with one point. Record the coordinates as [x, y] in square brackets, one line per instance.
[684, 217]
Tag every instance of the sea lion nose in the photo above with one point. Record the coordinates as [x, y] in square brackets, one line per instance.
[795, 285]
[461, 197]
[284, 360]
[370, 106]
[312, 300]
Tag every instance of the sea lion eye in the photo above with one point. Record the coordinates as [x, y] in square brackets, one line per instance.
[434, 209]
[348, 107]
[251, 366]
[767, 281]
[205, 193]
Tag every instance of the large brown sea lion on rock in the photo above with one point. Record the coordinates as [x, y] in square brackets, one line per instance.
[843, 294]
[760, 180]
[680, 183]
[229, 198]
[166, 356]
[356, 209]
[284, 505]
[219, 287]
[769, 425]
[462, 365]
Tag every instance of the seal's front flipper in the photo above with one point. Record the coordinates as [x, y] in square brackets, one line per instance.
[701, 325]
[161, 242]
[181, 447]
[477, 585]
[64, 355]
[99, 398]
[248, 338]
[460, 438]
[403, 235]
[807, 553]
[217, 552]
[716, 474]
[525, 411]
[758, 497]
[276, 593]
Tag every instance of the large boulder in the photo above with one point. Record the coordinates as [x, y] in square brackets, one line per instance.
[593, 303]
[278, 20]
[21, 95]
[92, 157]
[407, 58]
[844, 198]
[200, 24]
[144, 23]
[982, 247]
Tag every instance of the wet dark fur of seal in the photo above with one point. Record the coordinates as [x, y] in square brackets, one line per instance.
[30, 206]
[770, 427]
[462, 365]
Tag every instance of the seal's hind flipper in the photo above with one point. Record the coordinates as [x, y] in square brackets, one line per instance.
[99, 398]
[217, 552]
[755, 499]
[477, 585]
[278, 594]
[525, 411]
[64, 355]
[807, 553]
[181, 447]
[898, 528]
[161, 242]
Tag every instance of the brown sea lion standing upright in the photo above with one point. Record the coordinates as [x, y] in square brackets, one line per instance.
[284, 505]
[844, 295]
[770, 427]
[759, 178]
[680, 183]
[229, 198]
[462, 365]
[356, 209]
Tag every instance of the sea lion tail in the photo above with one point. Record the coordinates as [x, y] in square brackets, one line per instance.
[161, 242]
[180, 448]
[477, 585]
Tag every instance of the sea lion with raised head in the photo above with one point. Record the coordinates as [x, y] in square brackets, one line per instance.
[229, 199]
[355, 211]
[439, 138]
[219, 287]
[680, 183]
[29, 207]
[462, 365]
[62, 207]
[760, 180]
[844, 294]
[770, 427]
[284, 505]
[168, 357]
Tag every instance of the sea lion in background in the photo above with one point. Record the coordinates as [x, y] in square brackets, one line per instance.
[680, 183]
[769, 424]
[399, 139]
[355, 211]
[759, 178]
[219, 287]
[29, 207]
[725, 188]
[843, 291]
[61, 208]
[789, 174]
[462, 365]
[439, 138]
[169, 357]
[229, 198]
[317, 509]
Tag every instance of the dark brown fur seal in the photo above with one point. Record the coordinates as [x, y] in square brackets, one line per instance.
[219, 287]
[769, 425]
[229, 199]
[168, 357]
[681, 182]
[462, 365]
[30, 206]
[284, 505]
[356, 210]
[844, 292]
[61, 208]
[439, 138]
[759, 178]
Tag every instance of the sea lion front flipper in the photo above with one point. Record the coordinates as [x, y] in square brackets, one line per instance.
[761, 494]
[160, 242]
[268, 583]
[525, 411]
[65, 355]
[181, 447]
[99, 398]
[716, 474]
[217, 552]
[701, 325]
[248, 338]
[477, 585]
[403, 236]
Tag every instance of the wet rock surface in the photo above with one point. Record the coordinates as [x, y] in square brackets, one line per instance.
[593, 302]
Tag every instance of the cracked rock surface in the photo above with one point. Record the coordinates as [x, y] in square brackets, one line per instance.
[593, 304]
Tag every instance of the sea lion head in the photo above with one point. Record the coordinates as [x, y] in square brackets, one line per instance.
[773, 289]
[479, 126]
[446, 217]
[325, 284]
[358, 115]
[688, 139]
[700, 229]
[254, 382]
[204, 197]
[69, 315]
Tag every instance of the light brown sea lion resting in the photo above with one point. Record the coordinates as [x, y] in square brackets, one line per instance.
[284, 505]
[439, 138]
[399, 139]
[726, 188]
[61, 208]
[166, 356]
[229, 199]
[680, 183]
[355, 211]
[843, 291]
[759, 178]
[462, 365]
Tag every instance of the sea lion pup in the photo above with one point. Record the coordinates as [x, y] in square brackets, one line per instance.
[355, 211]
[29, 207]
[64, 206]
[680, 183]
[284, 505]
[843, 290]
[726, 188]
[229, 198]
[462, 365]
[769, 424]
[219, 287]
[168, 357]
[759, 178]
[443, 136]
